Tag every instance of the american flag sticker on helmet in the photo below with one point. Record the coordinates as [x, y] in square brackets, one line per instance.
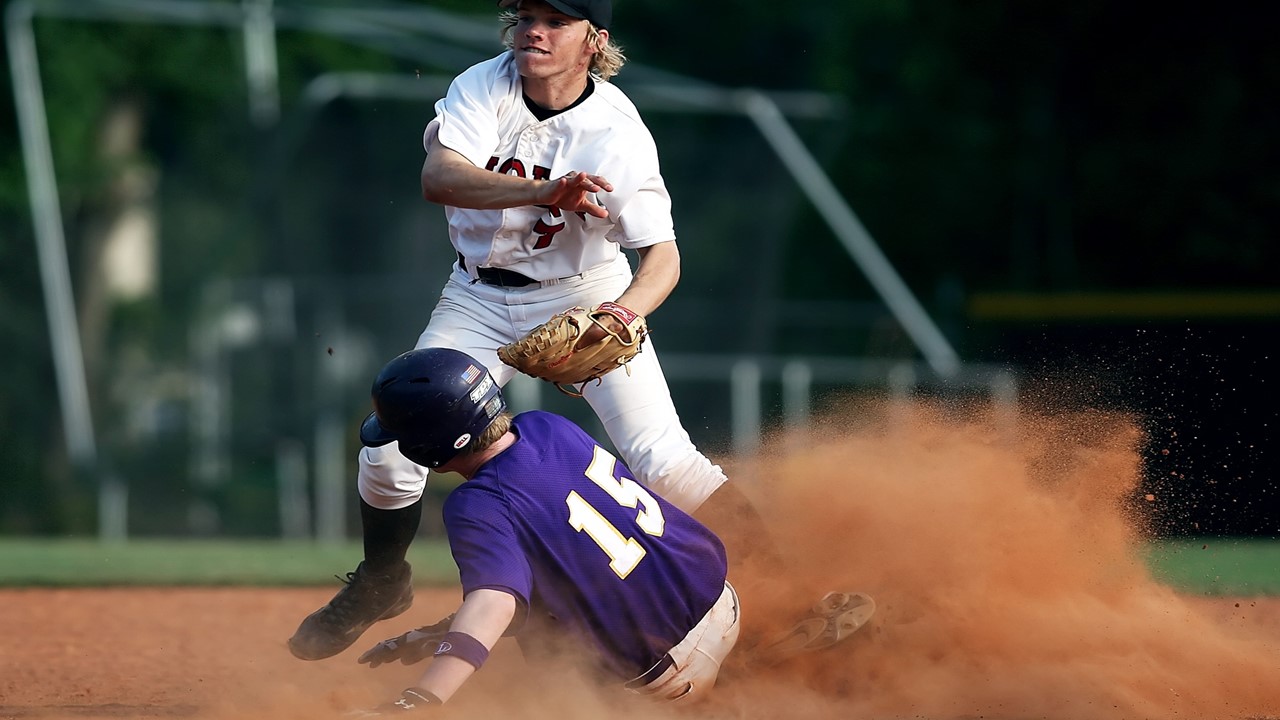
[471, 374]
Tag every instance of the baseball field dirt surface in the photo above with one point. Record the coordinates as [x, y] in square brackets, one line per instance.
[1005, 560]
[202, 653]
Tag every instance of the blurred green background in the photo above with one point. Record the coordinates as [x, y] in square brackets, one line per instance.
[1230, 567]
[1084, 196]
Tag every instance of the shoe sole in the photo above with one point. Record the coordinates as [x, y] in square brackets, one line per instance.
[837, 616]
[403, 603]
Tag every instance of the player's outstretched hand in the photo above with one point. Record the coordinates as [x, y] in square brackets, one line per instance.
[572, 193]
[412, 702]
[409, 648]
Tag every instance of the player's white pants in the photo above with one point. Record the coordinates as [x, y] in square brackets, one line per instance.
[694, 663]
[636, 409]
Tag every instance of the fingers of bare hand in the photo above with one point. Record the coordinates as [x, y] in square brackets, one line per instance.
[591, 336]
[588, 183]
[612, 322]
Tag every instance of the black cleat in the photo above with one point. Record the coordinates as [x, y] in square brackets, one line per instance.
[367, 598]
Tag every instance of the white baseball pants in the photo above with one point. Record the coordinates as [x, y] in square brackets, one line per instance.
[635, 408]
[693, 665]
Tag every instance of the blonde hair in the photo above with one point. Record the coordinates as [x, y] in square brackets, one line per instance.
[496, 429]
[605, 63]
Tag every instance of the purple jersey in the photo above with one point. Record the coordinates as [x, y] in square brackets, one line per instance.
[559, 523]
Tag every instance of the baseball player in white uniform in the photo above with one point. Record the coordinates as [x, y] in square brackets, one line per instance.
[485, 130]
[546, 172]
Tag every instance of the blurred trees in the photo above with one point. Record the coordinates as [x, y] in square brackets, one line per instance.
[1001, 146]
[990, 146]
[181, 93]
[1022, 145]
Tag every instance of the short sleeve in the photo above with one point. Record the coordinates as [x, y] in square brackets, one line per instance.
[639, 206]
[646, 218]
[467, 117]
[485, 545]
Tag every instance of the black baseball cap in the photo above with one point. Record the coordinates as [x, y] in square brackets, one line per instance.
[597, 12]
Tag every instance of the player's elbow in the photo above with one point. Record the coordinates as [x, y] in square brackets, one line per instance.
[438, 177]
[490, 613]
[432, 189]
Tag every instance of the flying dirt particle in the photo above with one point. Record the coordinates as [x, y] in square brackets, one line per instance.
[1150, 497]
[1048, 604]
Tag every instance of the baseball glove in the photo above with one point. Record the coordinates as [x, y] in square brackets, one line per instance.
[554, 352]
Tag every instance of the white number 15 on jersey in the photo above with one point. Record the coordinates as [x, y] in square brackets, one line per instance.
[624, 552]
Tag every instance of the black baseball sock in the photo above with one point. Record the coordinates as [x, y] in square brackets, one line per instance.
[388, 534]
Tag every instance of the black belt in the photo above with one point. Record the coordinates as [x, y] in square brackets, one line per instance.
[498, 276]
[652, 673]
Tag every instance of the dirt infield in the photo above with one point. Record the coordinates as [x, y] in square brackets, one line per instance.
[197, 653]
[1004, 562]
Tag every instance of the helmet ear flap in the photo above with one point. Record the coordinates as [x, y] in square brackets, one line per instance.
[422, 454]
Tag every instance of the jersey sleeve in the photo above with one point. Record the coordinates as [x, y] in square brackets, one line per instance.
[640, 206]
[466, 118]
[484, 544]
[645, 219]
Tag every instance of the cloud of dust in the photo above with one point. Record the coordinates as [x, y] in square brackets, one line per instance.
[1004, 556]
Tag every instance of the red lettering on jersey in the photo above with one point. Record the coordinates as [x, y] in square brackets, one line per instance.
[513, 166]
[546, 233]
[517, 166]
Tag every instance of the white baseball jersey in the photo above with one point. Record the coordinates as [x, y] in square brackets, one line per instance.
[484, 118]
